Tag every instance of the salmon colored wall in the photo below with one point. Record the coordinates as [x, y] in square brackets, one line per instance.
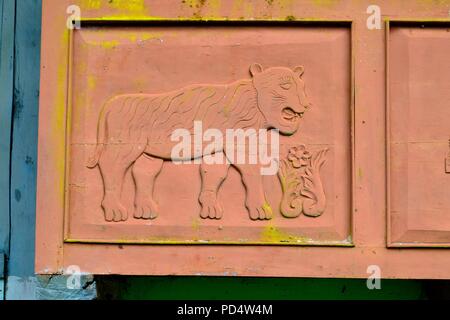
[22, 192]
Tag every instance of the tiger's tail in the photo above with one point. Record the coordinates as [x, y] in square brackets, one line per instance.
[101, 133]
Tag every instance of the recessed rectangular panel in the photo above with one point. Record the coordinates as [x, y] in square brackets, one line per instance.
[419, 108]
[138, 93]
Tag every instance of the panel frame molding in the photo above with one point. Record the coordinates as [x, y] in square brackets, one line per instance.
[348, 24]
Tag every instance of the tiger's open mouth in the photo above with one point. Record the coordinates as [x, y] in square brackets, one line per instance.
[290, 115]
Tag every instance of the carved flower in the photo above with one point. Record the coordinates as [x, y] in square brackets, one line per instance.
[299, 156]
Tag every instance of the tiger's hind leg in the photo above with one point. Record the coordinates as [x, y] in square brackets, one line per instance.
[145, 170]
[213, 176]
[114, 162]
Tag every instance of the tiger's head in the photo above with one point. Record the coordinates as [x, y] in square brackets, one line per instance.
[281, 96]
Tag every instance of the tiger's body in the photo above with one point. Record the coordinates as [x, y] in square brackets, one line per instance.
[152, 118]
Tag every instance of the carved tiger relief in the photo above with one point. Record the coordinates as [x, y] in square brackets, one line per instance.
[134, 132]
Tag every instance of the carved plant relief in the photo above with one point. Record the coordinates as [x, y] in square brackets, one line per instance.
[301, 183]
[134, 133]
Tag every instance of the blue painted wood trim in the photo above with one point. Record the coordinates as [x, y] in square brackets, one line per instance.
[24, 138]
[2, 266]
[7, 15]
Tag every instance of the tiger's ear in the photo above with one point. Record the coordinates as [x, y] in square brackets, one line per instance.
[255, 68]
[298, 70]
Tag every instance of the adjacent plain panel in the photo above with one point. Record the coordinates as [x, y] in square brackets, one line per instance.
[419, 129]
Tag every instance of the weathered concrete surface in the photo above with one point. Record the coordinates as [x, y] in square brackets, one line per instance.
[51, 288]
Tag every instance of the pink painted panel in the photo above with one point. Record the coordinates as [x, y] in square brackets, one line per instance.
[419, 136]
[173, 76]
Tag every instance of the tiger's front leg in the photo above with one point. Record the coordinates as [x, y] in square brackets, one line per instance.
[255, 201]
[145, 170]
[213, 176]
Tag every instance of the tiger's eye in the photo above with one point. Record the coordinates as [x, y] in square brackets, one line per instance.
[285, 85]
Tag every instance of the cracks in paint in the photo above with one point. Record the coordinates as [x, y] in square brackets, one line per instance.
[17, 103]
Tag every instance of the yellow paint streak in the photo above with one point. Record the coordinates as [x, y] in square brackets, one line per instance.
[271, 234]
[124, 8]
[58, 120]
[79, 103]
[214, 6]
[150, 36]
[108, 44]
[103, 39]
[236, 95]
[204, 9]
[325, 3]
[91, 81]
[435, 2]
[285, 5]
[242, 8]
[91, 4]
[267, 208]
[194, 3]
[81, 67]
[128, 5]
[185, 97]
[133, 37]
[139, 82]
[196, 224]
[283, 182]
